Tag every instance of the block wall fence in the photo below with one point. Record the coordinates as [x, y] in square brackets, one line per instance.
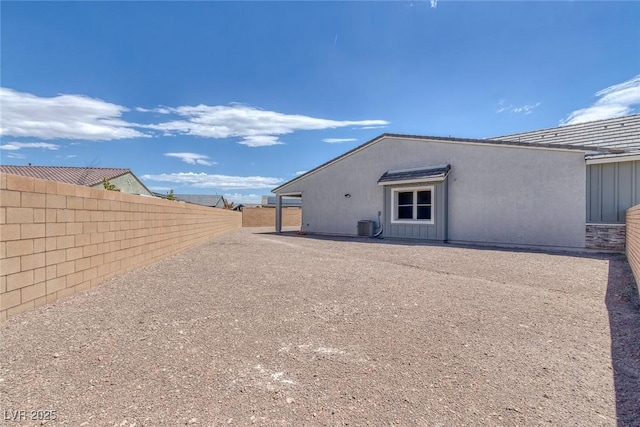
[633, 241]
[266, 217]
[57, 239]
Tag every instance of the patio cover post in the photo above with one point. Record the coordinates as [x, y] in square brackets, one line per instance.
[278, 213]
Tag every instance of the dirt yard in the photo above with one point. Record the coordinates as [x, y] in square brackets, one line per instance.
[265, 329]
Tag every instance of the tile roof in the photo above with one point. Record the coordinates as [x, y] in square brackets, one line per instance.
[211, 200]
[71, 175]
[415, 174]
[619, 134]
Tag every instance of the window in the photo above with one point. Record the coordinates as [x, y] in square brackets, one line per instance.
[412, 205]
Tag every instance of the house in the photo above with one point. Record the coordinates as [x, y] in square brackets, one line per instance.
[123, 179]
[210, 200]
[612, 178]
[566, 187]
[287, 202]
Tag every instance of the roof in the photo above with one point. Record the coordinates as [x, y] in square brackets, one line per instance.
[211, 200]
[415, 175]
[70, 175]
[286, 201]
[488, 142]
[621, 134]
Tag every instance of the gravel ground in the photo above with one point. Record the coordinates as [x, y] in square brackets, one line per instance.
[290, 330]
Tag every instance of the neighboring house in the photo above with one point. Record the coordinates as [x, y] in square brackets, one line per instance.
[123, 179]
[210, 200]
[287, 202]
[562, 187]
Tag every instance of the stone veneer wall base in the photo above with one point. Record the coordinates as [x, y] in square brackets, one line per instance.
[611, 237]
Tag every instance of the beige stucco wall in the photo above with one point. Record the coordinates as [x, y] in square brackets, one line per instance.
[498, 194]
[127, 183]
[57, 239]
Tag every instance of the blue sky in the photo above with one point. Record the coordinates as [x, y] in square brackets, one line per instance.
[235, 98]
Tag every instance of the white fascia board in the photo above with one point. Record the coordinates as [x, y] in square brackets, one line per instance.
[626, 157]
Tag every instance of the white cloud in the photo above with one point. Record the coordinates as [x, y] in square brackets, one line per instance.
[298, 173]
[338, 140]
[192, 158]
[13, 155]
[524, 109]
[160, 110]
[14, 145]
[63, 116]
[238, 198]
[255, 127]
[260, 141]
[373, 127]
[83, 118]
[225, 182]
[615, 101]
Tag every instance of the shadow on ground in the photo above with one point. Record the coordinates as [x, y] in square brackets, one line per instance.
[574, 252]
[623, 306]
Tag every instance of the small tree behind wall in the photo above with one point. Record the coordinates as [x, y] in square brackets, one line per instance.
[228, 205]
[170, 195]
[109, 186]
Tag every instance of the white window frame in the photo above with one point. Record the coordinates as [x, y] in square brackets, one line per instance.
[394, 205]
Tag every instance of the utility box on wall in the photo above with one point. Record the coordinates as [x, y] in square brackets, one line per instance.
[365, 228]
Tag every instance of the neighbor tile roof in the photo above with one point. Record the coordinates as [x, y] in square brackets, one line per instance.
[211, 200]
[71, 175]
[414, 174]
[621, 133]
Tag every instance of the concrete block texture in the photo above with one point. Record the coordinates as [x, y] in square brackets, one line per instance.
[58, 239]
[266, 217]
[632, 241]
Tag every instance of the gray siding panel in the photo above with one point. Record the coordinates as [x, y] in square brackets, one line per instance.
[608, 193]
[593, 196]
[612, 188]
[434, 232]
[625, 188]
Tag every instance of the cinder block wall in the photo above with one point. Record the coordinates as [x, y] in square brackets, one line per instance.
[266, 217]
[633, 240]
[57, 239]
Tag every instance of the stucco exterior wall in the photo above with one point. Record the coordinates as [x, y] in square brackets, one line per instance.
[127, 183]
[57, 239]
[497, 193]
